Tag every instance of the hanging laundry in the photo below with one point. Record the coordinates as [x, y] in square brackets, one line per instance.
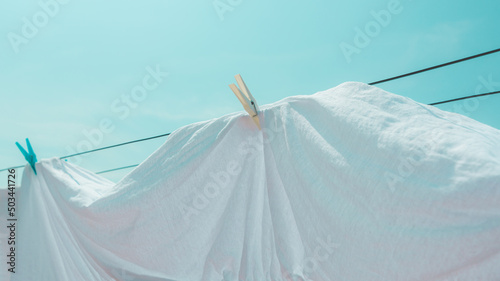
[353, 183]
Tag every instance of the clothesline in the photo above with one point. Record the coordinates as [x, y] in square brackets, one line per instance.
[163, 135]
[435, 67]
[372, 83]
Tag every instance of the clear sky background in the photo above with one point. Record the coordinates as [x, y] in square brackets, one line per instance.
[67, 67]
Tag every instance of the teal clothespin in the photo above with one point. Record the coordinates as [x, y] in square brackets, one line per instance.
[30, 156]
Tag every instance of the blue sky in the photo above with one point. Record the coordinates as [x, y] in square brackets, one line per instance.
[70, 68]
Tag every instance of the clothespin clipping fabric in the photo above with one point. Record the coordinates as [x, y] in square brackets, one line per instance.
[29, 155]
[247, 100]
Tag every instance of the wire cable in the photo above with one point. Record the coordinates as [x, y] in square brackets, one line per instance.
[111, 146]
[435, 67]
[116, 169]
[467, 97]
[434, 103]
[98, 149]
[163, 135]
[372, 83]
[16, 167]
[135, 165]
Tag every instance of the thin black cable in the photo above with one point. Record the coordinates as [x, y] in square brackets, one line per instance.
[116, 169]
[101, 172]
[97, 149]
[115, 145]
[16, 167]
[372, 83]
[158, 136]
[463, 98]
[434, 103]
[434, 67]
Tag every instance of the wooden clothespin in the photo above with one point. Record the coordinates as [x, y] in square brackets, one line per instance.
[29, 155]
[246, 99]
